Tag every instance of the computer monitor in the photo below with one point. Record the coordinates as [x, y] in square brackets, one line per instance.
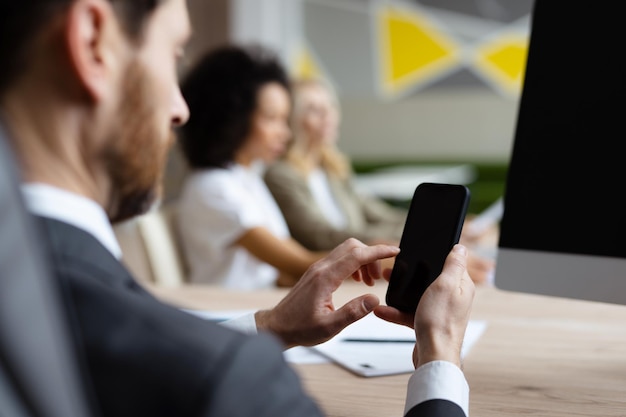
[563, 230]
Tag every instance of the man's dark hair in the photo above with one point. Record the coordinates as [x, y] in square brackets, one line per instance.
[22, 20]
[221, 91]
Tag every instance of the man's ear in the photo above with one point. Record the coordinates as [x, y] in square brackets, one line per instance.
[89, 40]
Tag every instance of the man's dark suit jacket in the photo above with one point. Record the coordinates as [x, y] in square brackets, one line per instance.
[149, 359]
[39, 376]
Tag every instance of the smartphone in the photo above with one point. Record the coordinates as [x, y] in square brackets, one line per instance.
[433, 226]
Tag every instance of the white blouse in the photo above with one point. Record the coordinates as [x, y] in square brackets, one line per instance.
[216, 207]
[323, 195]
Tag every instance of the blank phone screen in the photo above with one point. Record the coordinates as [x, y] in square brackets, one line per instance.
[432, 227]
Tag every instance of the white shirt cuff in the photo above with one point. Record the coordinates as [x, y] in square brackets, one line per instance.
[245, 324]
[438, 380]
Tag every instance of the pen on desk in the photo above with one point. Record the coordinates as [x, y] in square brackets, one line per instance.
[378, 340]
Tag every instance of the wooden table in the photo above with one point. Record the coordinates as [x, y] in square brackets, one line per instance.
[540, 356]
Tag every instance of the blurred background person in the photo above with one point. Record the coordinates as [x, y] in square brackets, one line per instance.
[313, 183]
[233, 233]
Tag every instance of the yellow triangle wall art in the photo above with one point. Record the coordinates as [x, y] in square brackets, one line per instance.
[502, 62]
[414, 51]
[305, 65]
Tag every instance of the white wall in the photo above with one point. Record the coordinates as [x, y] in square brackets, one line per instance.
[275, 23]
[470, 125]
[459, 118]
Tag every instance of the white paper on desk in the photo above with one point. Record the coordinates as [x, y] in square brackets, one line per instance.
[382, 358]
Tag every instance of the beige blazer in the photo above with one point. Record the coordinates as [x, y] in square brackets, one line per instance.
[368, 218]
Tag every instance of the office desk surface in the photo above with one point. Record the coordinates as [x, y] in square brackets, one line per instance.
[540, 356]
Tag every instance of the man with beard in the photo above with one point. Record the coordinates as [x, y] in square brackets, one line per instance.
[89, 97]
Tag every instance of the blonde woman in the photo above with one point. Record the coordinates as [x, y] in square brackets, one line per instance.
[312, 184]
[313, 187]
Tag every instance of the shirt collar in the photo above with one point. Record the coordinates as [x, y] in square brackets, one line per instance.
[58, 204]
[257, 167]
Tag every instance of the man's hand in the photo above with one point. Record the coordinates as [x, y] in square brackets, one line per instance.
[307, 316]
[442, 313]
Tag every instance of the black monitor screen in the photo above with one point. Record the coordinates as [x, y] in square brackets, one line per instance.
[568, 167]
